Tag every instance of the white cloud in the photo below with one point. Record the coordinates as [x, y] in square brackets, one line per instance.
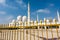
[43, 11]
[2, 12]
[13, 7]
[22, 4]
[2, 1]
[51, 4]
[6, 19]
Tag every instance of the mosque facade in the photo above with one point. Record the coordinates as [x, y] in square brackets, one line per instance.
[26, 21]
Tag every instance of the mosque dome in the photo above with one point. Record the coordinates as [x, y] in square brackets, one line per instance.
[13, 21]
[19, 18]
[24, 19]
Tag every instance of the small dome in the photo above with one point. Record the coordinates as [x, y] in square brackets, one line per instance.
[47, 20]
[54, 20]
[44, 19]
[35, 21]
[13, 21]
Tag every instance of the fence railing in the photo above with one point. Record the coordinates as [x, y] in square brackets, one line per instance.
[30, 34]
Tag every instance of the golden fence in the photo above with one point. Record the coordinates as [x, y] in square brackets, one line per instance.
[30, 34]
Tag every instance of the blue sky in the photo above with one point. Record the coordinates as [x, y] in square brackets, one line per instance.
[10, 9]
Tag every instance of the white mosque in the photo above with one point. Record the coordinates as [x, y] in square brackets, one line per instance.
[26, 21]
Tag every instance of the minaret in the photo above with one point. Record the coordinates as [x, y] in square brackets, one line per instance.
[58, 18]
[38, 20]
[28, 14]
[58, 15]
[37, 17]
